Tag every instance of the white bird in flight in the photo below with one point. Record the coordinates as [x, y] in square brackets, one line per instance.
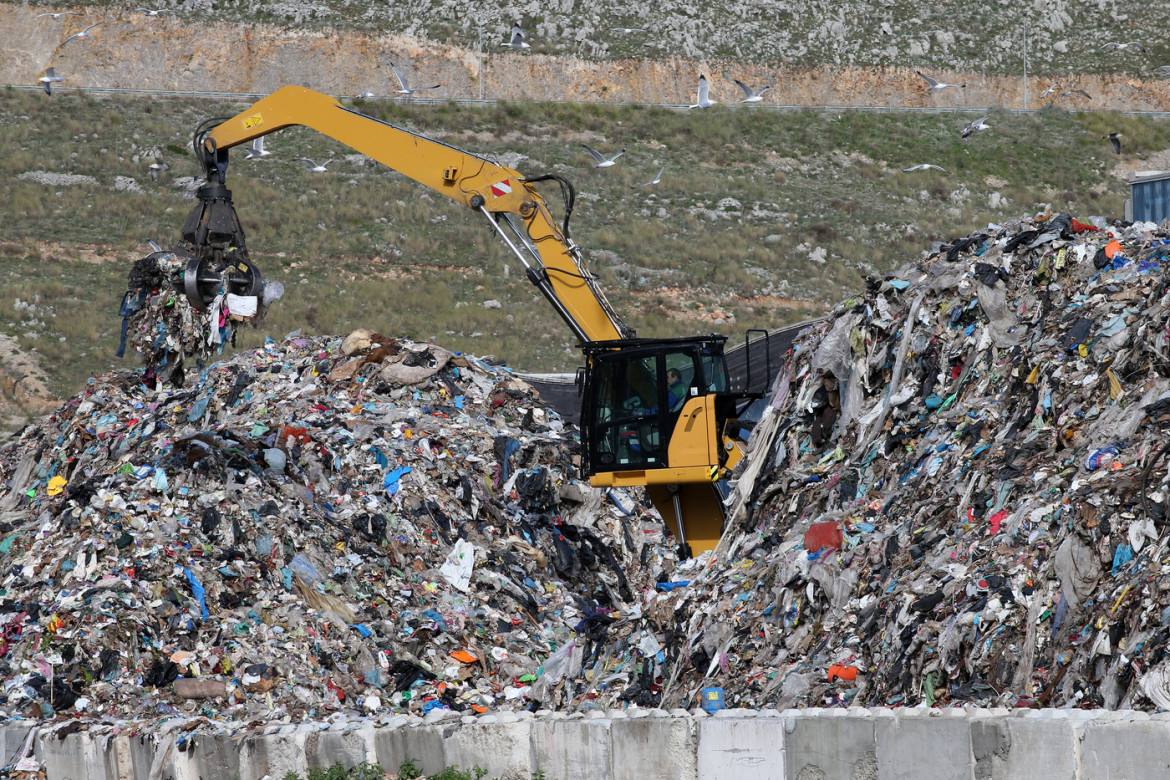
[366, 95]
[406, 88]
[153, 12]
[49, 79]
[934, 86]
[154, 247]
[1122, 46]
[256, 150]
[1163, 69]
[312, 166]
[157, 167]
[626, 30]
[83, 34]
[976, 126]
[704, 100]
[1080, 92]
[602, 160]
[923, 167]
[657, 178]
[517, 41]
[750, 95]
[1049, 91]
[58, 15]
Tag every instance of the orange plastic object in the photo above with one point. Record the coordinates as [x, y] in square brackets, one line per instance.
[300, 434]
[847, 673]
[463, 656]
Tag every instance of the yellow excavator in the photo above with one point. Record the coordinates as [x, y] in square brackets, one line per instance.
[656, 413]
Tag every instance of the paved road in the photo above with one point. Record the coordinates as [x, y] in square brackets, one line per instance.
[251, 97]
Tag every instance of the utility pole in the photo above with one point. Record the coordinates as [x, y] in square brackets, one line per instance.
[1025, 69]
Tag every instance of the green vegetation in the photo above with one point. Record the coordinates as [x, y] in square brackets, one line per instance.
[362, 771]
[407, 770]
[762, 217]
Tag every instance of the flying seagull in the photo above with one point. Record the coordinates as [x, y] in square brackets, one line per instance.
[1163, 69]
[934, 86]
[48, 80]
[153, 12]
[750, 95]
[704, 100]
[256, 150]
[406, 88]
[976, 126]
[1115, 139]
[312, 166]
[626, 30]
[923, 167]
[1049, 91]
[58, 15]
[657, 178]
[157, 167]
[154, 247]
[1081, 92]
[517, 41]
[602, 160]
[366, 95]
[83, 34]
[1122, 46]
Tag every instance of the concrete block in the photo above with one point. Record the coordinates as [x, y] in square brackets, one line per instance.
[423, 745]
[990, 742]
[741, 748]
[919, 747]
[12, 739]
[273, 754]
[662, 748]
[351, 748]
[572, 749]
[1116, 749]
[169, 761]
[215, 756]
[504, 750]
[77, 757]
[830, 748]
[1027, 748]
[135, 755]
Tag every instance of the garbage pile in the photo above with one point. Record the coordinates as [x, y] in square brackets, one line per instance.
[958, 493]
[319, 526]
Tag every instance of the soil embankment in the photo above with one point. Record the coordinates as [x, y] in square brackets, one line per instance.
[134, 51]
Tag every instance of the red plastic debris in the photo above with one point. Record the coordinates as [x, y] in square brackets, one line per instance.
[821, 535]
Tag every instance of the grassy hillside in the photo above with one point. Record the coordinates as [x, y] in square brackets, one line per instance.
[761, 217]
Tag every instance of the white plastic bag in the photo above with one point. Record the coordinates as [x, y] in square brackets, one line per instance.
[457, 568]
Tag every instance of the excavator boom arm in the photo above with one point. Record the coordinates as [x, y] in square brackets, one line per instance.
[511, 202]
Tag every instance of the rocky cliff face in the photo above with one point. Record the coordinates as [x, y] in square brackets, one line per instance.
[198, 53]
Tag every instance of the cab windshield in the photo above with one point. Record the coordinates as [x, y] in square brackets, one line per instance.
[638, 398]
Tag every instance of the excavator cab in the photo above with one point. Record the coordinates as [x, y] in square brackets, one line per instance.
[659, 413]
[632, 404]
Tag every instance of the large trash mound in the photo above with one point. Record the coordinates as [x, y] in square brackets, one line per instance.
[317, 526]
[958, 494]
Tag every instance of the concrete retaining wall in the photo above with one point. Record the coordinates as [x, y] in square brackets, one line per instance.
[849, 744]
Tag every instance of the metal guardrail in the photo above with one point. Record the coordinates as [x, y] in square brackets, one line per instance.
[254, 96]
